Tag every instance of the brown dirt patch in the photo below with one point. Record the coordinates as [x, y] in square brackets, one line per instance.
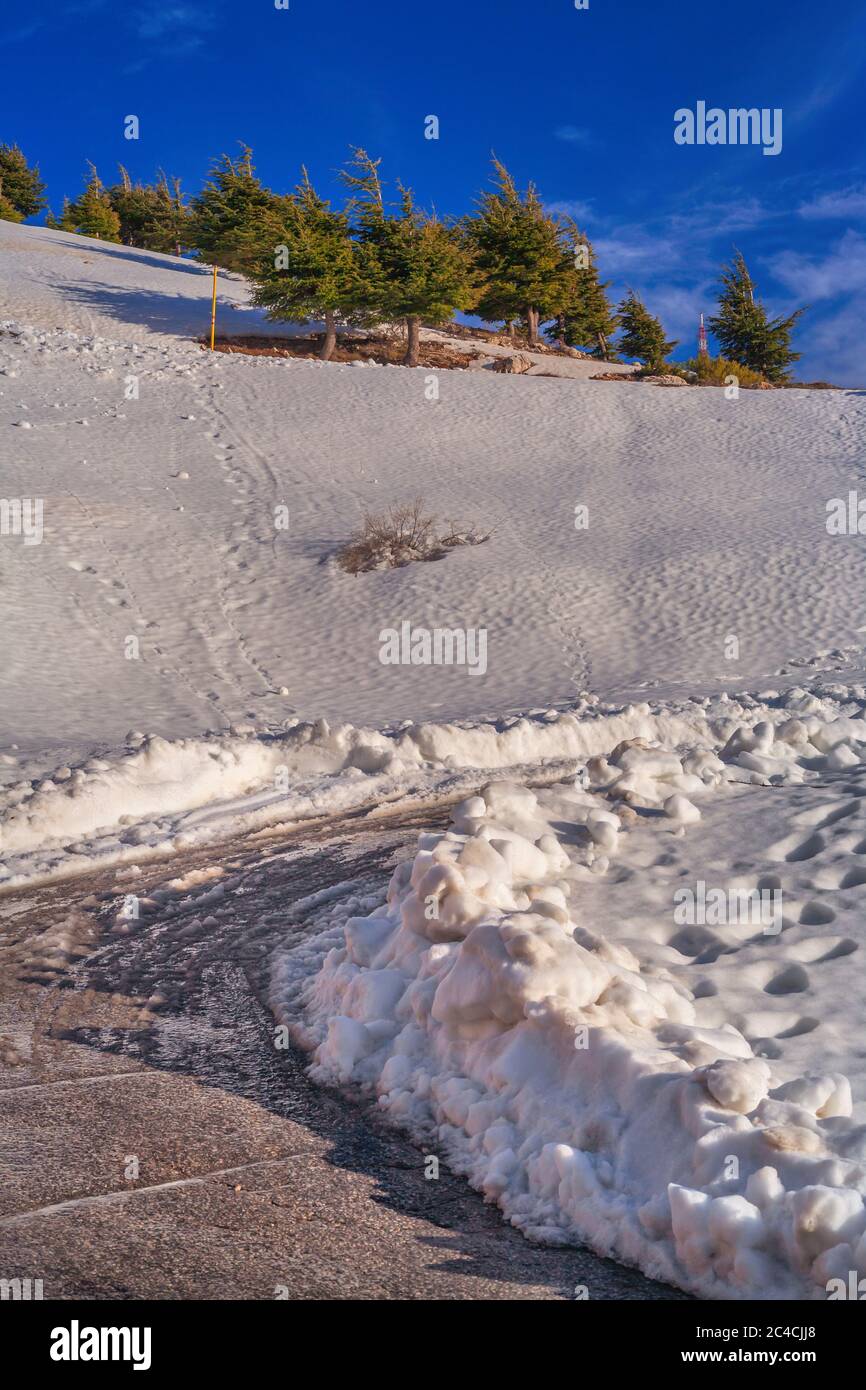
[384, 351]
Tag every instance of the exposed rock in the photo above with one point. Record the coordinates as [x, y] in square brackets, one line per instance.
[519, 363]
[565, 351]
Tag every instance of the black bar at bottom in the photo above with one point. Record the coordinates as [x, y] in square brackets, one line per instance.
[159, 1339]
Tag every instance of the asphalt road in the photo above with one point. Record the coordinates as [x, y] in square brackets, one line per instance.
[155, 1144]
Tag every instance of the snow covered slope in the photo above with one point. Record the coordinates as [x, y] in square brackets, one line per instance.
[56, 280]
[706, 522]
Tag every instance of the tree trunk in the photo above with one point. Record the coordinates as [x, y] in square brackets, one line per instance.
[509, 327]
[531, 324]
[413, 341]
[329, 342]
[602, 346]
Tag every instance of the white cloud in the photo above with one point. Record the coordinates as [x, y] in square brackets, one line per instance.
[680, 240]
[164, 21]
[720, 218]
[838, 62]
[679, 310]
[842, 272]
[843, 203]
[834, 348]
[570, 207]
[631, 249]
[574, 135]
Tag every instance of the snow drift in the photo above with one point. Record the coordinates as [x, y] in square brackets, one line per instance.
[571, 1077]
[161, 794]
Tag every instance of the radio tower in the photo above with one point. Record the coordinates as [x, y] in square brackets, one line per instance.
[702, 339]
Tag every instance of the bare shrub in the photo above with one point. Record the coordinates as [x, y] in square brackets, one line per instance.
[400, 535]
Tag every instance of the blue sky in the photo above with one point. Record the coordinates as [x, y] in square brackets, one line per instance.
[581, 101]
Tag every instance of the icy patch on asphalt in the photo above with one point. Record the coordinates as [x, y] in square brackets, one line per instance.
[578, 1080]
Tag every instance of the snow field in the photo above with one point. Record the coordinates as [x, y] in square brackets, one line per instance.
[706, 523]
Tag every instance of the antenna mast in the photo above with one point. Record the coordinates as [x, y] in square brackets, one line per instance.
[702, 339]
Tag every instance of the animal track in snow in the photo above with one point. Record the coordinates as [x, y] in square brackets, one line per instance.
[792, 980]
[807, 849]
[816, 914]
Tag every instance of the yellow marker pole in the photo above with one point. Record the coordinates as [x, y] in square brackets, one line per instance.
[213, 311]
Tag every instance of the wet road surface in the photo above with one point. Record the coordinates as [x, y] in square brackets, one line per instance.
[154, 1143]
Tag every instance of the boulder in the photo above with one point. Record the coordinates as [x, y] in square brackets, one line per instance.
[519, 363]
